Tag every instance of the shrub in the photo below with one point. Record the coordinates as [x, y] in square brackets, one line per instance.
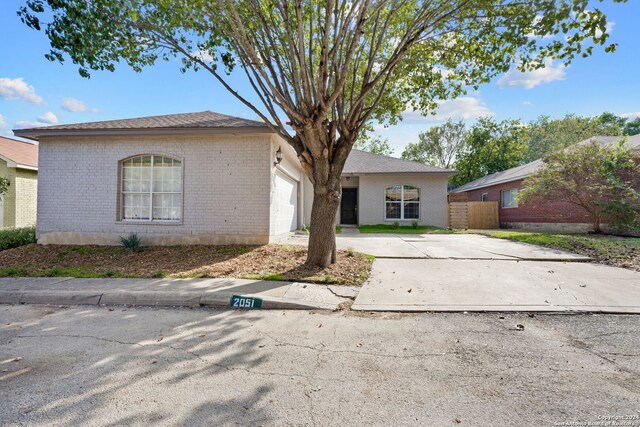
[350, 252]
[131, 242]
[158, 274]
[395, 225]
[14, 237]
[414, 224]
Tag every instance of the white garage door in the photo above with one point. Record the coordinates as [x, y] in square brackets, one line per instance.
[286, 216]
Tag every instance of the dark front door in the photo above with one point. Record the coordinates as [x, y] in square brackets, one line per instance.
[349, 206]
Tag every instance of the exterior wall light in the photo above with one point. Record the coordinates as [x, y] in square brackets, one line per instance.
[278, 157]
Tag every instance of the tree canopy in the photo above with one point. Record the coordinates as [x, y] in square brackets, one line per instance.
[439, 146]
[323, 70]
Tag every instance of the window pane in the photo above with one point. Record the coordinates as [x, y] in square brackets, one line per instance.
[411, 210]
[394, 193]
[393, 210]
[411, 193]
[514, 198]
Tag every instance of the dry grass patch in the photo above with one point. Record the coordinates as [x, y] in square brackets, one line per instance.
[270, 262]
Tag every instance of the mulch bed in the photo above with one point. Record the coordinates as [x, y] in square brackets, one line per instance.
[276, 262]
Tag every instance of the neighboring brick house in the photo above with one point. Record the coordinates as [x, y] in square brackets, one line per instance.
[18, 164]
[207, 178]
[504, 186]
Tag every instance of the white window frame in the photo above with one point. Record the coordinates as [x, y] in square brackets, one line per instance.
[484, 197]
[150, 192]
[513, 200]
[402, 202]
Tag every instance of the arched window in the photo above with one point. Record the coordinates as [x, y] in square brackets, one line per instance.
[151, 189]
[402, 202]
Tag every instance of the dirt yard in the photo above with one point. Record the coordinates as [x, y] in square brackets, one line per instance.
[273, 262]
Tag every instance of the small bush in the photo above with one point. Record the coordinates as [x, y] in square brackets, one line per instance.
[14, 237]
[414, 224]
[158, 274]
[350, 252]
[131, 242]
[395, 225]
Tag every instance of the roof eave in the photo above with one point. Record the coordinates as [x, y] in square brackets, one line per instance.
[399, 173]
[36, 133]
[504, 181]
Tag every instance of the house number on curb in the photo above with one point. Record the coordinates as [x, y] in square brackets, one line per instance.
[238, 301]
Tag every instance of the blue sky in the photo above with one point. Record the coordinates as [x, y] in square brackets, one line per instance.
[34, 90]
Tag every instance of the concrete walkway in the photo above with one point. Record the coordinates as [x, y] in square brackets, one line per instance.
[171, 292]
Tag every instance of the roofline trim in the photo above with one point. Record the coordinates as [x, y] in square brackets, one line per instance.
[445, 172]
[36, 133]
[457, 190]
[12, 164]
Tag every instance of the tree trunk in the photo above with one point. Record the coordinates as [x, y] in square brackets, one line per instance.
[596, 224]
[322, 236]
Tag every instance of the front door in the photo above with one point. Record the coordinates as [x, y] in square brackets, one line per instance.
[349, 206]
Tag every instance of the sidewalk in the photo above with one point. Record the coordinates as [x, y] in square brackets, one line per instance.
[171, 292]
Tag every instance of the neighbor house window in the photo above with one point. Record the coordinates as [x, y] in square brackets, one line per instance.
[484, 197]
[510, 198]
[402, 202]
[151, 189]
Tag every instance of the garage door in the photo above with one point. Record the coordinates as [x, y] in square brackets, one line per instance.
[286, 201]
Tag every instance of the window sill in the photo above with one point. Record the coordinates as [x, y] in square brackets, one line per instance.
[508, 207]
[146, 222]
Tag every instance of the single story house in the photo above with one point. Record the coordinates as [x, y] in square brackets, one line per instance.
[19, 165]
[503, 187]
[207, 178]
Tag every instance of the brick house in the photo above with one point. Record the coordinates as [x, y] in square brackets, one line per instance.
[18, 164]
[207, 178]
[503, 187]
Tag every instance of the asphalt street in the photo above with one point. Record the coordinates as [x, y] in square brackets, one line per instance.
[106, 366]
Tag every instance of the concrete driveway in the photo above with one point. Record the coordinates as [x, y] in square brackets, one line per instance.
[467, 272]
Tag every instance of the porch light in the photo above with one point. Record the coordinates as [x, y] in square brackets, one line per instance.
[278, 157]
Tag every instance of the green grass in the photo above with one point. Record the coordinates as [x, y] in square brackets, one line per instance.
[601, 247]
[12, 272]
[80, 272]
[265, 276]
[14, 237]
[401, 229]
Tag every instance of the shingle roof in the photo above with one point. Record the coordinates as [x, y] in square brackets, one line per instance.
[362, 162]
[524, 171]
[21, 154]
[204, 120]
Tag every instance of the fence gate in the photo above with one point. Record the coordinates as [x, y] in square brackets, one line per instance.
[472, 215]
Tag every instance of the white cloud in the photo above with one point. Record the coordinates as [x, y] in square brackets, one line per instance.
[465, 108]
[631, 115]
[203, 55]
[49, 118]
[530, 79]
[527, 103]
[3, 122]
[609, 28]
[17, 88]
[29, 124]
[76, 106]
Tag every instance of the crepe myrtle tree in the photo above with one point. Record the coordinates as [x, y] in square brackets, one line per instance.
[322, 71]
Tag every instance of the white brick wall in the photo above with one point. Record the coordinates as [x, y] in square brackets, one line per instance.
[226, 189]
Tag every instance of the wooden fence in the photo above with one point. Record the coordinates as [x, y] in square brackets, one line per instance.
[472, 215]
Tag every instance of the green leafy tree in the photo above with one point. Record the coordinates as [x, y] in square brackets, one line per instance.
[490, 147]
[546, 134]
[375, 145]
[632, 127]
[439, 146]
[611, 124]
[602, 181]
[322, 70]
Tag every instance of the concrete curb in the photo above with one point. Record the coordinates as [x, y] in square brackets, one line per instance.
[153, 299]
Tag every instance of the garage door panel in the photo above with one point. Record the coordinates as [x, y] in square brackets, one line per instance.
[286, 203]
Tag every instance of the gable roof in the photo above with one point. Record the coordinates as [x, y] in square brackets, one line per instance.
[362, 162]
[201, 122]
[19, 154]
[524, 171]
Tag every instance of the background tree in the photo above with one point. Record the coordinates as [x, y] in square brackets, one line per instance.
[328, 66]
[439, 146]
[632, 127]
[491, 147]
[375, 145]
[601, 181]
[547, 134]
[4, 185]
